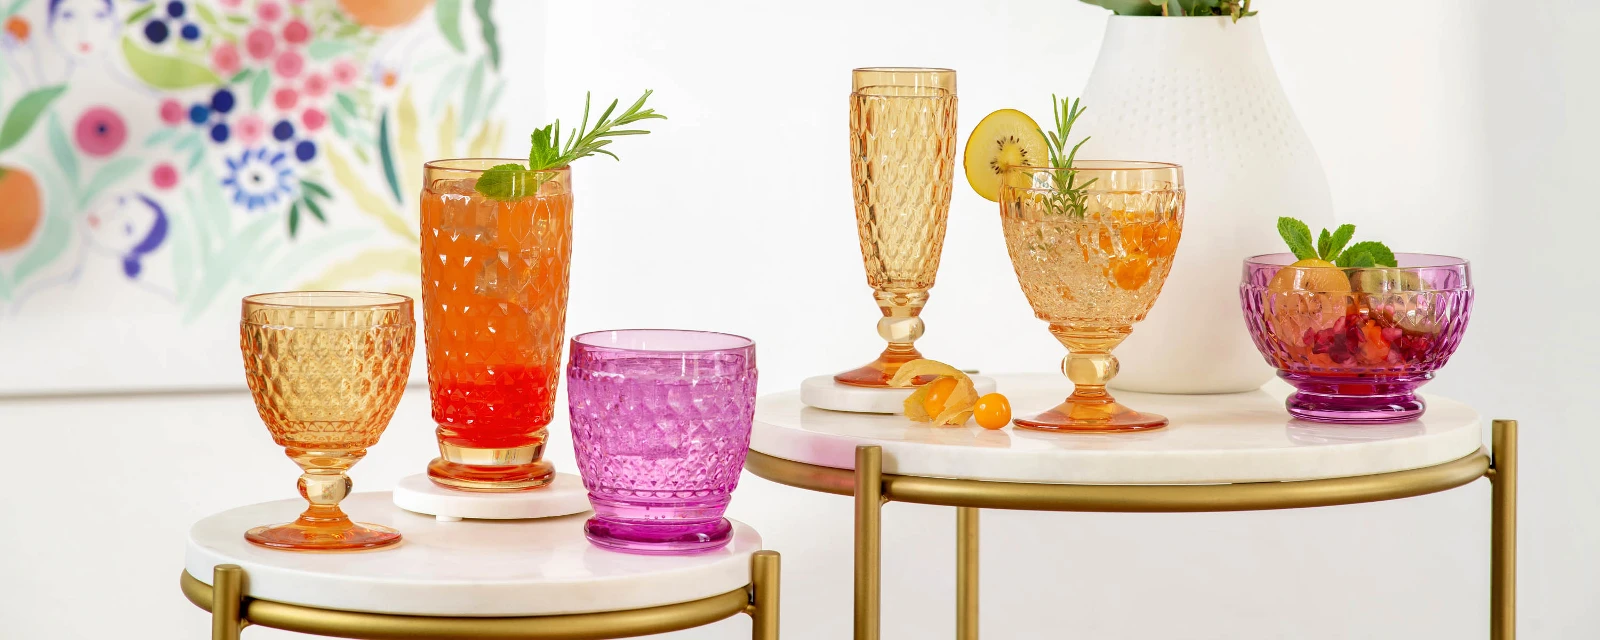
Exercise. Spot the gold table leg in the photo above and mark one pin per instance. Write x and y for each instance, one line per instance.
(1503, 534)
(869, 511)
(763, 609)
(227, 596)
(966, 573)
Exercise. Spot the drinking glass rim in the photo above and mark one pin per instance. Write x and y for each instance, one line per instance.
(380, 300)
(1112, 165)
(743, 343)
(903, 70)
(441, 164)
(1431, 260)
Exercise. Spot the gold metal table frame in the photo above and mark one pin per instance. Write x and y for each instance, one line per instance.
(872, 489)
(231, 611)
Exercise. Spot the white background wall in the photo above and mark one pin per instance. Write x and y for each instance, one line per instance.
(1453, 127)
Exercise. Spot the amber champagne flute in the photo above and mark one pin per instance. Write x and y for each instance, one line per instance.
(902, 157)
(1091, 261)
(326, 369)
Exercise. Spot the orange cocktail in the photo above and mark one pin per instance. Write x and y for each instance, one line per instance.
(494, 300)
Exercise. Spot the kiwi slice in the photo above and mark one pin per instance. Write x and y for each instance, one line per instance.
(1003, 139)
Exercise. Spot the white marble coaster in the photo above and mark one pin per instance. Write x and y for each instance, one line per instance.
(823, 393)
(1239, 437)
(473, 568)
(564, 495)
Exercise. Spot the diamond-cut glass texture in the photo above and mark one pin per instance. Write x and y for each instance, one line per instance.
(902, 155)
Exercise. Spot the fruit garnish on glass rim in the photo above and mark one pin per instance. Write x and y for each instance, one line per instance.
(1319, 265)
(946, 401)
(1009, 138)
(514, 181)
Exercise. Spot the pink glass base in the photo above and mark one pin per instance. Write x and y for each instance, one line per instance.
(659, 538)
(1355, 399)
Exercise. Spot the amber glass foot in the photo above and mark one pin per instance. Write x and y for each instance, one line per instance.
(491, 478)
(878, 373)
(331, 532)
(1100, 416)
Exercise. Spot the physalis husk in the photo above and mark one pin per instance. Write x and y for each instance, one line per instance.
(957, 409)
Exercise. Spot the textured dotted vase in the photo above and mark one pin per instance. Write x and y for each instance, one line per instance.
(1202, 93)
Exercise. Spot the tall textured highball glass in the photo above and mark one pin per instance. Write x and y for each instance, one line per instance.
(326, 369)
(1091, 261)
(494, 308)
(661, 424)
(902, 157)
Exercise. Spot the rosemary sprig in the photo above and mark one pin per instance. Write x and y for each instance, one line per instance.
(513, 181)
(1068, 197)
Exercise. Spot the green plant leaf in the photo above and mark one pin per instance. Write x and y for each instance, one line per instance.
(142, 13)
(505, 181)
(448, 14)
(1367, 254)
(258, 89)
(25, 113)
(62, 150)
(1128, 7)
(491, 38)
(1341, 237)
(386, 156)
(1298, 236)
(1323, 242)
(166, 72)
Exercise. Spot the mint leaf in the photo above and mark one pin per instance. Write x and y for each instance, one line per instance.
(1323, 241)
(506, 182)
(1298, 236)
(546, 147)
(1341, 237)
(1355, 258)
(1374, 253)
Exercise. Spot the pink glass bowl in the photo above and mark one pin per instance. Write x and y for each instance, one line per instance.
(661, 425)
(1357, 352)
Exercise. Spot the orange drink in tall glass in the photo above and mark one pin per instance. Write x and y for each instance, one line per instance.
(494, 300)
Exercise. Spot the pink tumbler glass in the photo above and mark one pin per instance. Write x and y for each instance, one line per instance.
(661, 424)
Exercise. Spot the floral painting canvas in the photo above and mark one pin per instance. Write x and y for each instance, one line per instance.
(161, 158)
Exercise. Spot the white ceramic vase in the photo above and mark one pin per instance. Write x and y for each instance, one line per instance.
(1201, 92)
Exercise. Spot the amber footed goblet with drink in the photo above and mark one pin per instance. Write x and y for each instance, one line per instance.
(494, 307)
(326, 369)
(902, 157)
(1092, 244)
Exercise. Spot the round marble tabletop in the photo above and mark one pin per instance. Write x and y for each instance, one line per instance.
(471, 568)
(1211, 439)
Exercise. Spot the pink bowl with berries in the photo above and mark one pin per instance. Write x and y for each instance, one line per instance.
(1356, 343)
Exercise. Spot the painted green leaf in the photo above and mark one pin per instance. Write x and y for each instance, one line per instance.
(239, 20)
(316, 188)
(347, 103)
(491, 38)
(16, 5)
(206, 15)
(62, 150)
(166, 72)
(258, 89)
(471, 99)
(446, 89)
(26, 112)
(387, 157)
(294, 219)
(113, 172)
(52, 240)
(316, 211)
(240, 77)
(136, 16)
(336, 119)
(448, 14)
(321, 50)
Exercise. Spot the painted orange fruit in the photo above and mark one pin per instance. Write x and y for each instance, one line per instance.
(19, 207)
(382, 14)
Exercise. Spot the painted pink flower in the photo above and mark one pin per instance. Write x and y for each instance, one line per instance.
(249, 129)
(313, 119)
(296, 32)
(289, 64)
(269, 11)
(100, 132)
(316, 85)
(344, 72)
(164, 176)
(231, 4)
(285, 98)
(225, 58)
(172, 112)
(260, 43)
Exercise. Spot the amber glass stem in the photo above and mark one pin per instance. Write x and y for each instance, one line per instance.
(1089, 363)
(900, 325)
(324, 484)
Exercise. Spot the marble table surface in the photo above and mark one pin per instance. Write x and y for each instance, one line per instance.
(1211, 439)
(467, 568)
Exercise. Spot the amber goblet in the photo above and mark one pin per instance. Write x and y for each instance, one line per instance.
(902, 157)
(1092, 245)
(326, 369)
